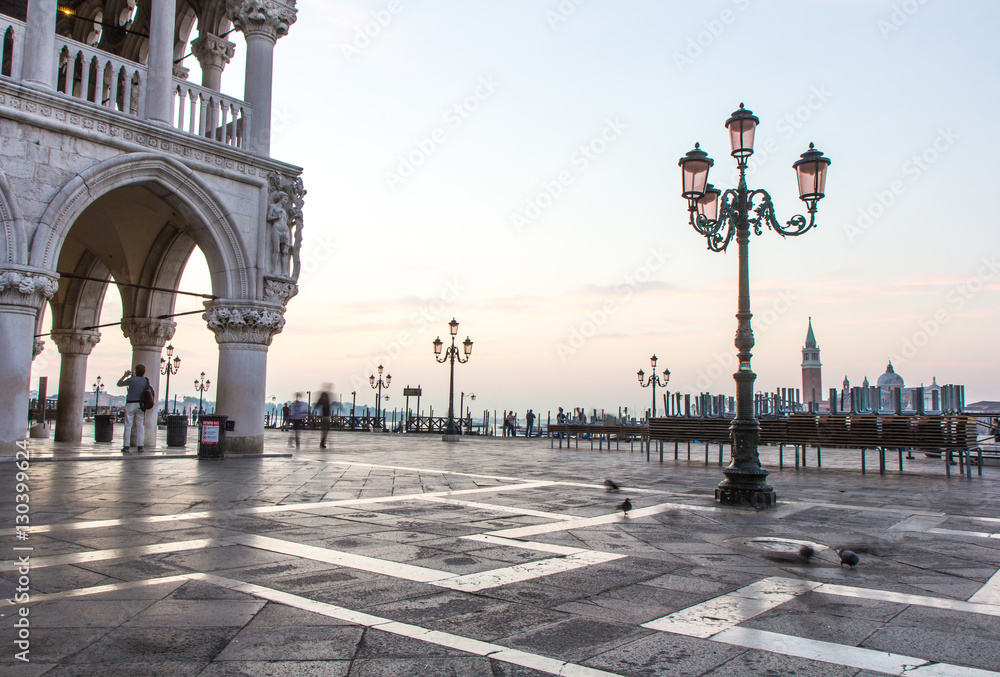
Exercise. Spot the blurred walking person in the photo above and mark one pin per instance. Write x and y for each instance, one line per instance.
(323, 405)
(298, 412)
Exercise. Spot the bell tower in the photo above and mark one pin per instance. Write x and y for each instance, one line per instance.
(812, 369)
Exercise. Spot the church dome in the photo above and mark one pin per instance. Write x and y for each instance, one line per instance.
(890, 379)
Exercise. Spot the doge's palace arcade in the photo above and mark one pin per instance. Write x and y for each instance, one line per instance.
(114, 167)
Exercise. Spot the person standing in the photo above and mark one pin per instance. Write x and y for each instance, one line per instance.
(133, 396)
(323, 405)
(529, 420)
(298, 412)
(512, 423)
(286, 416)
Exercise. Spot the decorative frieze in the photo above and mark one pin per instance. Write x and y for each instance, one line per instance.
(268, 18)
(244, 322)
(75, 342)
(146, 332)
(26, 287)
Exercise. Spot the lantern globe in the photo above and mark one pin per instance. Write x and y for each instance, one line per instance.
(810, 172)
(741, 126)
(694, 172)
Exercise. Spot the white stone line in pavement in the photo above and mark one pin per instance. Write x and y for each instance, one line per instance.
(868, 508)
(711, 617)
(111, 587)
(466, 644)
(583, 522)
(465, 582)
(524, 572)
(975, 606)
(918, 523)
(989, 593)
(959, 532)
(513, 510)
(268, 509)
(842, 654)
(527, 545)
(116, 553)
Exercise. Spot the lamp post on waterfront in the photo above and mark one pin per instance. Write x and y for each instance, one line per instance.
(378, 397)
(654, 380)
(745, 479)
(461, 405)
(98, 389)
(167, 369)
(451, 354)
(201, 386)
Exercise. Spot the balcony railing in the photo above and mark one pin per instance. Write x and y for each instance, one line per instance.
(102, 79)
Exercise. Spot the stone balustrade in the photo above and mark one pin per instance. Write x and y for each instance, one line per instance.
(211, 115)
(96, 76)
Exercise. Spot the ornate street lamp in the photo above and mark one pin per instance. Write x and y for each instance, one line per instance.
(745, 479)
(654, 380)
(378, 397)
(451, 354)
(98, 389)
(201, 386)
(461, 406)
(167, 369)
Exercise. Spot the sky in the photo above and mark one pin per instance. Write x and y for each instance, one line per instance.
(514, 165)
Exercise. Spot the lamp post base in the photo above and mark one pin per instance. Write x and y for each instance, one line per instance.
(753, 495)
(450, 437)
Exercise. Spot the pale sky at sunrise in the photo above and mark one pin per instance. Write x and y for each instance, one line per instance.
(514, 165)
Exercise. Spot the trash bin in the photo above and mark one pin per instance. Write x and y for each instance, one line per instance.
(177, 430)
(104, 428)
(212, 436)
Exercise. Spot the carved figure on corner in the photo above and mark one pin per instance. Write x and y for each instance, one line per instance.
(280, 235)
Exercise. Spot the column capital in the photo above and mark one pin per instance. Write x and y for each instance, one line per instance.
(75, 341)
(244, 322)
(145, 332)
(263, 18)
(27, 288)
(36, 348)
(212, 51)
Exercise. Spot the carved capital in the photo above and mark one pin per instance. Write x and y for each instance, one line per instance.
(268, 18)
(181, 71)
(212, 51)
(75, 342)
(26, 287)
(244, 322)
(279, 290)
(146, 332)
(37, 348)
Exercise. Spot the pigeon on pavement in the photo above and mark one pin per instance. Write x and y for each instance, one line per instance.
(806, 552)
(847, 557)
(624, 506)
(609, 485)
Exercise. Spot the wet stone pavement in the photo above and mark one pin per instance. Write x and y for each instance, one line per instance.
(402, 555)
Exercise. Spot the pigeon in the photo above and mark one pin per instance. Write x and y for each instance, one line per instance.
(609, 485)
(847, 557)
(624, 506)
(806, 552)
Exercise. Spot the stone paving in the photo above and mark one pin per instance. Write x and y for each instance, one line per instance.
(402, 555)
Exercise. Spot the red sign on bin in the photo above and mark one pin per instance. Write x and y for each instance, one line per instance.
(210, 432)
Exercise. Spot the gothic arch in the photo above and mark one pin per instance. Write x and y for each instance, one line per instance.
(13, 239)
(176, 184)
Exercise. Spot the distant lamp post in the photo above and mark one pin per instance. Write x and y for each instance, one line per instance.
(461, 404)
(654, 380)
(167, 369)
(745, 479)
(201, 386)
(378, 385)
(451, 354)
(98, 389)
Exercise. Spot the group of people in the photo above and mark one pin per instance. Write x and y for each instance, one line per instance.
(295, 413)
(510, 424)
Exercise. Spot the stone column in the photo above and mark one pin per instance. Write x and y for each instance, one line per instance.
(262, 22)
(23, 290)
(213, 54)
(243, 330)
(160, 63)
(148, 337)
(40, 44)
(75, 347)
